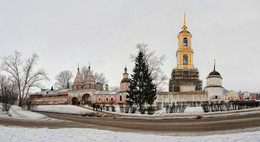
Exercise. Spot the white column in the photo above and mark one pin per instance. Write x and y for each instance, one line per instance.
(188, 61)
(190, 42)
(178, 59)
(191, 59)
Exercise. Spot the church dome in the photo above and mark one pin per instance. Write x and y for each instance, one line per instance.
(125, 80)
(214, 73)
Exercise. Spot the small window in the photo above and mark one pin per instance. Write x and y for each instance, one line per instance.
(112, 99)
(185, 59)
(120, 98)
(99, 99)
(106, 99)
(216, 97)
(185, 42)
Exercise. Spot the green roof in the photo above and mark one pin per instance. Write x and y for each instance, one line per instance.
(125, 80)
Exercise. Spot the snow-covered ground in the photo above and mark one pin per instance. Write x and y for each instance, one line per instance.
(18, 113)
(62, 109)
(15, 134)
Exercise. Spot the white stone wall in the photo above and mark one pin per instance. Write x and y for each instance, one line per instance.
(214, 81)
(51, 100)
(187, 88)
(174, 97)
(214, 91)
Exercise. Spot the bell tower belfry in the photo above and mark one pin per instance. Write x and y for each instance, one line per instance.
(185, 77)
(184, 53)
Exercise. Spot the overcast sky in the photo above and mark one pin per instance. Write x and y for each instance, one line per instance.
(105, 33)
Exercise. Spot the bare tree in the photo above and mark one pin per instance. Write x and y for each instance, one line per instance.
(98, 77)
(22, 73)
(8, 93)
(154, 63)
(63, 80)
(115, 88)
(84, 72)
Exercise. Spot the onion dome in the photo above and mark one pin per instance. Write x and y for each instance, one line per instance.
(125, 80)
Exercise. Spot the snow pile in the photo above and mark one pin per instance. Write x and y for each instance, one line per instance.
(194, 110)
(18, 113)
(62, 109)
(81, 135)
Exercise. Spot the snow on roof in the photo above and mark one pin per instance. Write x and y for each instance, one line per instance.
(65, 90)
(47, 92)
(106, 93)
(52, 92)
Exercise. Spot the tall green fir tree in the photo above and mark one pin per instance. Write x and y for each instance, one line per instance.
(142, 90)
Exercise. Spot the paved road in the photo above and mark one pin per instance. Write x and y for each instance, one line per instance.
(120, 124)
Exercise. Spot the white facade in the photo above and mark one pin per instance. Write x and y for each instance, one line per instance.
(187, 88)
(214, 81)
(214, 93)
(178, 97)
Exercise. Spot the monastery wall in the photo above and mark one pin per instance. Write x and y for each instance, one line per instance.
(50, 100)
(178, 97)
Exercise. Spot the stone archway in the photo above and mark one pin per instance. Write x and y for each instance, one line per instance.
(74, 101)
(86, 98)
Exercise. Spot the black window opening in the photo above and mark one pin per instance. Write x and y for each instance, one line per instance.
(120, 98)
(185, 59)
(111, 99)
(185, 42)
(186, 73)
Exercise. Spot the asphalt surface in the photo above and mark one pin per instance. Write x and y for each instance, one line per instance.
(134, 125)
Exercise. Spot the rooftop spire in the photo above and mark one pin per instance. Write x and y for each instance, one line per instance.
(88, 65)
(184, 20)
(214, 64)
(184, 27)
(125, 69)
(78, 66)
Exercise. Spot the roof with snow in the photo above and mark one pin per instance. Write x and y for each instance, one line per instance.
(106, 93)
(65, 90)
(49, 91)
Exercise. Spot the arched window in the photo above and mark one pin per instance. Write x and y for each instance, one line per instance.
(185, 59)
(185, 42)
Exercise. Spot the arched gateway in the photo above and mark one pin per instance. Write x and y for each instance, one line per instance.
(86, 98)
(74, 101)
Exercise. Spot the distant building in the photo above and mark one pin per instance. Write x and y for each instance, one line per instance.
(230, 95)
